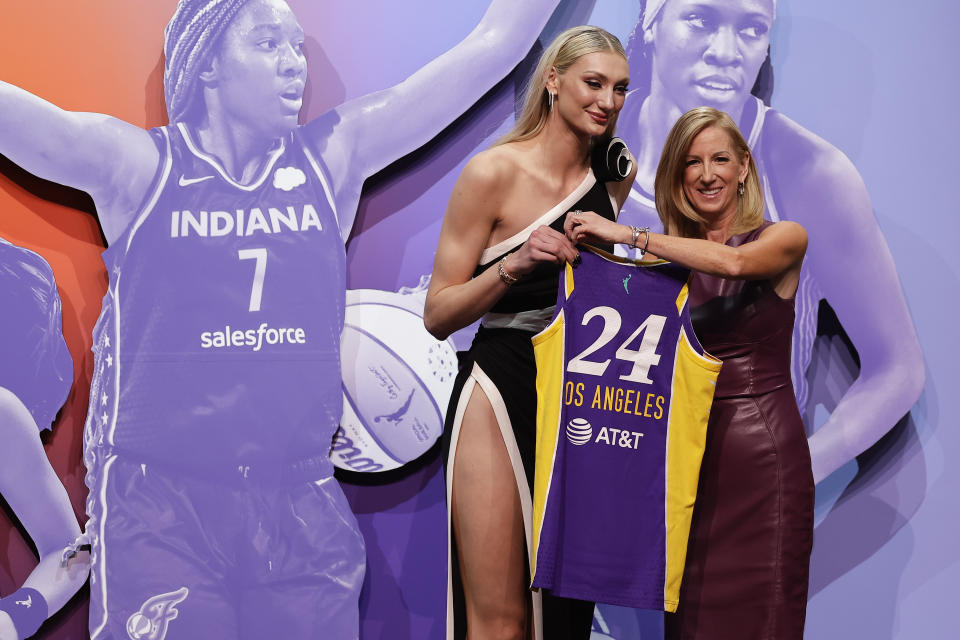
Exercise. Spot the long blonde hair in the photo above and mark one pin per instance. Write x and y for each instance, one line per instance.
(565, 49)
(678, 216)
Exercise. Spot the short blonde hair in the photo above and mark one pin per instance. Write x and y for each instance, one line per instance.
(677, 214)
(565, 49)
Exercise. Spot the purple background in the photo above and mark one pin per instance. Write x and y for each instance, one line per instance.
(878, 81)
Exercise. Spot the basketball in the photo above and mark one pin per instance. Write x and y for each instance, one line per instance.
(397, 380)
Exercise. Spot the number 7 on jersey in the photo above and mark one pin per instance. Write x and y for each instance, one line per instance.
(259, 271)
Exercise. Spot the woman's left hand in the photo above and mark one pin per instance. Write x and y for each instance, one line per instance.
(587, 225)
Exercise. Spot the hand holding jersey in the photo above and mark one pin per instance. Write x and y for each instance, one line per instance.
(587, 226)
(543, 245)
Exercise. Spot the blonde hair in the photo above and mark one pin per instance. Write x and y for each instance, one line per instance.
(678, 216)
(565, 49)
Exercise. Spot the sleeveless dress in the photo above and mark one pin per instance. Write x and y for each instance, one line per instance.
(501, 362)
(748, 557)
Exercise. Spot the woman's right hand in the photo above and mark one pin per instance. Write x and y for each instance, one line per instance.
(588, 226)
(543, 245)
(582, 226)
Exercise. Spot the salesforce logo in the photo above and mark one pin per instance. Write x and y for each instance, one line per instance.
(579, 431)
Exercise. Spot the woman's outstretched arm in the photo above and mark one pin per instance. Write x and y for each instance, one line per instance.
(36, 496)
(776, 255)
(112, 160)
(374, 130)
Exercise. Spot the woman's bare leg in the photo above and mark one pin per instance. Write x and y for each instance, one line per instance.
(488, 525)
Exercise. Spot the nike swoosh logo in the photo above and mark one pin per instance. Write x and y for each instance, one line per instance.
(183, 182)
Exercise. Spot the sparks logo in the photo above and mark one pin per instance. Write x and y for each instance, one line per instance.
(579, 431)
(150, 623)
(288, 178)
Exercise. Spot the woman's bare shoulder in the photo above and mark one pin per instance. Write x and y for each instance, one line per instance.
(493, 168)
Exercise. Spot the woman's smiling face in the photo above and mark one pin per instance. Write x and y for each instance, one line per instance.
(712, 172)
(708, 52)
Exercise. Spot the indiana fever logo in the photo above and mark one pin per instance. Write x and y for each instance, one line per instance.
(150, 623)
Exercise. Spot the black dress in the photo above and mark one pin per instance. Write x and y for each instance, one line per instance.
(501, 363)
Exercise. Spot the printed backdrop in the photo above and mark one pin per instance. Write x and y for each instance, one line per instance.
(874, 80)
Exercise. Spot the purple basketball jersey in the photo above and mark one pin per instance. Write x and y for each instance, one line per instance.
(624, 392)
(218, 343)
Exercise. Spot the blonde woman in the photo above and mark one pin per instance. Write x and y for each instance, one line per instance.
(498, 259)
(748, 557)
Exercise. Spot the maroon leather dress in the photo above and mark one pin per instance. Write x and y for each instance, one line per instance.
(749, 551)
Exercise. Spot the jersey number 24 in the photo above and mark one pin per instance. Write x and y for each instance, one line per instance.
(643, 357)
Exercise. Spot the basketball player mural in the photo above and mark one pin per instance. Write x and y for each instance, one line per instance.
(216, 388)
(685, 54)
(35, 376)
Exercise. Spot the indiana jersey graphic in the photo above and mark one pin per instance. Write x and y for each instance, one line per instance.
(151, 622)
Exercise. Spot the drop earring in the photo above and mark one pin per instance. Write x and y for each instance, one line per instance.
(549, 101)
(740, 189)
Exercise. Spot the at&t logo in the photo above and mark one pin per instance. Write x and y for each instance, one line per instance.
(579, 431)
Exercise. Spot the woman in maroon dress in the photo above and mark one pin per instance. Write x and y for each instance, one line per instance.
(748, 556)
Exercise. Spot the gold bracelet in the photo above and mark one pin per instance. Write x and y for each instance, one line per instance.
(507, 278)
